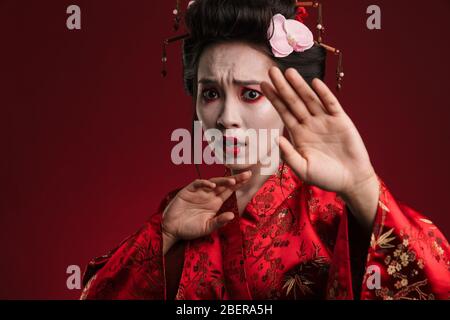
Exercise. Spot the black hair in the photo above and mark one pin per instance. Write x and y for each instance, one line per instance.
(216, 21)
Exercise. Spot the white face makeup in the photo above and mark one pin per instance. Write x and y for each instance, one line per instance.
(229, 98)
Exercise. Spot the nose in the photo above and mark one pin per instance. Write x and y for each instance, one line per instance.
(229, 117)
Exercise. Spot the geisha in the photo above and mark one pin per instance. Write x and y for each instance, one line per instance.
(323, 225)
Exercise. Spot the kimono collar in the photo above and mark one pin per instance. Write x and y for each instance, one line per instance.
(275, 190)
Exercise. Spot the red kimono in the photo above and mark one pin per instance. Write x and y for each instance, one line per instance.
(293, 241)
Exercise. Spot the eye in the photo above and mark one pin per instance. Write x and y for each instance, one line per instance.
(251, 95)
(210, 95)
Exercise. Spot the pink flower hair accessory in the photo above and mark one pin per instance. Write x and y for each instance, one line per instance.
(288, 35)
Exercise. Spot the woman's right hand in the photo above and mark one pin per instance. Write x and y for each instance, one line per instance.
(192, 213)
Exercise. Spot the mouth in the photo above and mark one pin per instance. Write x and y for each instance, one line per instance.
(232, 145)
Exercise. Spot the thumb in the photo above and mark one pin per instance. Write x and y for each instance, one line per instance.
(219, 221)
(293, 157)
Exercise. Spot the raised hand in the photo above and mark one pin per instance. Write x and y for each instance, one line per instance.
(193, 211)
(326, 149)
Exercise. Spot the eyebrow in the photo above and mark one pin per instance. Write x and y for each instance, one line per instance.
(235, 81)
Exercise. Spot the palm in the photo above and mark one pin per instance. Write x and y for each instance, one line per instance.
(193, 211)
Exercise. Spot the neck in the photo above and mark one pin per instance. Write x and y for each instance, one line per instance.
(247, 191)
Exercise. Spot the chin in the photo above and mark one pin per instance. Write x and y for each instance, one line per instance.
(239, 167)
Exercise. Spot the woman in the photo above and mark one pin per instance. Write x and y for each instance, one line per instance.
(322, 226)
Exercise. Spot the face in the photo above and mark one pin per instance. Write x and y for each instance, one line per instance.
(229, 98)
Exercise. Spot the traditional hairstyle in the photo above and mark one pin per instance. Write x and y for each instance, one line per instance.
(209, 22)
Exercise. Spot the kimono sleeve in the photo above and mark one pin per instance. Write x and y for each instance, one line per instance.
(408, 258)
(135, 269)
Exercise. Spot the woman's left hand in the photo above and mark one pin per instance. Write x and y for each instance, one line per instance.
(327, 149)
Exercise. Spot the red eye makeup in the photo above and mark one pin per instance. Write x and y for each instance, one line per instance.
(251, 95)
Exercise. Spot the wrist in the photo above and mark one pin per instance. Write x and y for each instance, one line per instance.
(361, 187)
(362, 200)
(168, 240)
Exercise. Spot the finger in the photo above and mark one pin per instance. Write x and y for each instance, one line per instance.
(288, 95)
(219, 221)
(223, 184)
(221, 181)
(301, 87)
(225, 192)
(329, 100)
(201, 183)
(231, 180)
(286, 115)
(293, 158)
(243, 176)
(238, 179)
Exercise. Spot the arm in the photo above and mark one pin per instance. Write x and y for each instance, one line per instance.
(147, 264)
(362, 201)
(326, 149)
(407, 252)
(134, 270)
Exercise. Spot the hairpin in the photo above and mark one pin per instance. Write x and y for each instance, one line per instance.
(321, 30)
(177, 14)
(164, 50)
(340, 70)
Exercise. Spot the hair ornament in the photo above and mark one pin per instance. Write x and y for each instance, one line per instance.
(287, 36)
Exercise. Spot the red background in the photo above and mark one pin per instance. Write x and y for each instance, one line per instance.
(86, 121)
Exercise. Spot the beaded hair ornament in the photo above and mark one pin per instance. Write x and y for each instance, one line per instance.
(284, 35)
